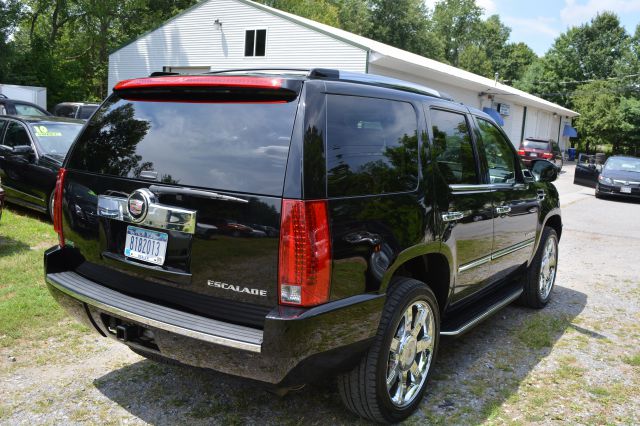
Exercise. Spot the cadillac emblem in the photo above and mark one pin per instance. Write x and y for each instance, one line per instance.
(138, 204)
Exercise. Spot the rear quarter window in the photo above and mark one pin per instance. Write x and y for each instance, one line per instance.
(372, 146)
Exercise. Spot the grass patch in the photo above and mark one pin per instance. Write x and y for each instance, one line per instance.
(633, 360)
(540, 331)
(27, 306)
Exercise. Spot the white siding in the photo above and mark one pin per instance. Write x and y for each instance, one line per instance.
(468, 97)
(515, 124)
(191, 40)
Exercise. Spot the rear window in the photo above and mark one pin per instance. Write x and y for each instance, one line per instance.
(372, 146)
(535, 144)
(55, 138)
(86, 111)
(23, 109)
(226, 146)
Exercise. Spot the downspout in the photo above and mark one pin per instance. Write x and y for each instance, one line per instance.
(559, 128)
(366, 66)
(524, 123)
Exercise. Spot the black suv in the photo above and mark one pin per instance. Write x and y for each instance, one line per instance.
(399, 216)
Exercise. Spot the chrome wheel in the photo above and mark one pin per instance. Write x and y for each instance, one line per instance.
(548, 267)
(410, 354)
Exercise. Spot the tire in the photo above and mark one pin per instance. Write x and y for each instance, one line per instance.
(600, 195)
(50, 204)
(537, 288)
(364, 389)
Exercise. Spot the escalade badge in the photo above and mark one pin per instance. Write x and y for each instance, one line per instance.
(138, 204)
(237, 288)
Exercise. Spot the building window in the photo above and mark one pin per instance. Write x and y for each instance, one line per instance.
(255, 42)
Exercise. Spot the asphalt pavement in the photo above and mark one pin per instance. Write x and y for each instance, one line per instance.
(582, 211)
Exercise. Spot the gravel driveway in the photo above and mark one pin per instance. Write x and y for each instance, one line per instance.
(576, 362)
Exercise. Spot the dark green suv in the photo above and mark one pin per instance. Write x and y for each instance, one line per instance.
(395, 214)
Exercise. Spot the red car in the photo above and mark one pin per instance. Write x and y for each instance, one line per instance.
(534, 149)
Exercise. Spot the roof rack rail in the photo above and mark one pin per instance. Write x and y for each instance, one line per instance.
(300, 71)
(377, 80)
(162, 73)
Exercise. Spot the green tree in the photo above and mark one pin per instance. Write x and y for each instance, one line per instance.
(630, 114)
(11, 12)
(592, 51)
(601, 119)
(354, 15)
(318, 10)
(474, 59)
(514, 61)
(457, 23)
(404, 24)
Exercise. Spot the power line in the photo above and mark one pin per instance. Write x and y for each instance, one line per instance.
(578, 81)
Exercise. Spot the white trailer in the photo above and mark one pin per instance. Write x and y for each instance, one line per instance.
(35, 95)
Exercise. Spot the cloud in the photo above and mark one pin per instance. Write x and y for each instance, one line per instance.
(489, 6)
(539, 25)
(576, 13)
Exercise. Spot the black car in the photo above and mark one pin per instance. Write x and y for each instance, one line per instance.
(81, 110)
(32, 149)
(17, 107)
(1, 199)
(620, 176)
(401, 216)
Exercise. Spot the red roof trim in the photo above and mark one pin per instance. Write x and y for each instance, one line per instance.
(201, 81)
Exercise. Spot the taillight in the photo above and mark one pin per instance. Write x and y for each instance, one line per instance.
(521, 152)
(547, 155)
(57, 206)
(304, 267)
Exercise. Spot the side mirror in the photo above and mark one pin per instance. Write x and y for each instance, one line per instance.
(23, 150)
(544, 171)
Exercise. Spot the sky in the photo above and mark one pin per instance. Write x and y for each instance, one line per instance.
(539, 22)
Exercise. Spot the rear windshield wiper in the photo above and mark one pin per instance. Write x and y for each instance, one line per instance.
(166, 190)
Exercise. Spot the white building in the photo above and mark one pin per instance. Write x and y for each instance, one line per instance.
(232, 34)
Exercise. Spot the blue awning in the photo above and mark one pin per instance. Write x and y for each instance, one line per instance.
(569, 131)
(494, 114)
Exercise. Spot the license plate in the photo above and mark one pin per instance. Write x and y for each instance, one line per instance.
(625, 190)
(145, 245)
(533, 154)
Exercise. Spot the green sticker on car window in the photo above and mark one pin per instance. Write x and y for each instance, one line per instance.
(43, 131)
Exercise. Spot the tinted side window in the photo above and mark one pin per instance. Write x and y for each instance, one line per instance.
(16, 135)
(65, 111)
(372, 146)
(453, 150)
(500, 157)
(86, 111)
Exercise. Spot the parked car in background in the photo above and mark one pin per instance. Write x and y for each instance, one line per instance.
(620, 176)
(1, 199)
(535, 149)
(587, 170)
(16, 107)
(32, 149)
(402, 216)
(81, 110)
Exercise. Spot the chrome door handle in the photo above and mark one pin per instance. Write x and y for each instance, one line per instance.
(451, 216)
(503, 209)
